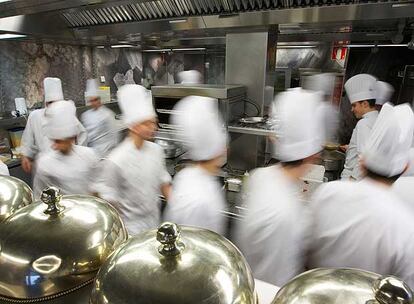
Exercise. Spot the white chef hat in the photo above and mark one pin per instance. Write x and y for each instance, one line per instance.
(202, 128)
(360, 87)
(61, 120)
(92, 88)
(190, 77)
(53, 89)
(135, 102)
(323, 83)
(298, 124)
(388, 148)
(383, 92)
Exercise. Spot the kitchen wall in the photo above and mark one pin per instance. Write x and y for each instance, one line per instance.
(24, 65)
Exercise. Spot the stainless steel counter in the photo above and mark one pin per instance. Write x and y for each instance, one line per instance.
(214, 91)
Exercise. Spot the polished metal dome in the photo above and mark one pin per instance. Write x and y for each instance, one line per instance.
(14, 194)
(173, 264)
(55, 246)
(345, 286)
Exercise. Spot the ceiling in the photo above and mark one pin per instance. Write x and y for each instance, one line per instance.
(175, 23)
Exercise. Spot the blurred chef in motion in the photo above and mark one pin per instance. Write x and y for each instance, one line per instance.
(273, 236)
(364, 224)
(190, 77)
(361, 93)
(383, 94)
(324, 84)
(35, 139)
(67, 166)
(134, 173)
(4, 170)
(99, 122)
(197, 198)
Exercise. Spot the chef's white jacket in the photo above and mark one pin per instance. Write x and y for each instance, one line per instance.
(404, 188)
(4, 170)
(72, 173)
(131, 180)
(410, 169)
(362, 225)
(273, 236)
(100, 124)
(359, 138)
(197, 200)
(35, 140)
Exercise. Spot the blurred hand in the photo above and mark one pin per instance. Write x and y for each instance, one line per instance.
(343, 148)
(27, 164)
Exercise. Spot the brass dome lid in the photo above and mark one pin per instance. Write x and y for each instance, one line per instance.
(14, 194)
(332, 286)
(47, 251)
(173, 264)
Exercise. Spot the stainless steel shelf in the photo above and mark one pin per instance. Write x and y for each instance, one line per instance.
(250, 130)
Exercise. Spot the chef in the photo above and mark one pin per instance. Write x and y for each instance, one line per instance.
(197, 198)
(34, 139)
(190, 77)
(383, 93)
(273, 236)
(364, 224)
(324, 84)
(67, 166)
(99, 122)
(361, 93)
(4, 170)
(135, 174)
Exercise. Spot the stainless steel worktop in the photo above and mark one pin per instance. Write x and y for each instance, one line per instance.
(214, 91)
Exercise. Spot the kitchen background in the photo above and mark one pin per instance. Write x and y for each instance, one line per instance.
(25, 64)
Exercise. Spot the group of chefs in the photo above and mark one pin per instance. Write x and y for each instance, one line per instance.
(363, 221)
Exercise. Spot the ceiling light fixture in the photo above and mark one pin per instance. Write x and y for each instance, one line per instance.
(188, 49)
(117, 46)
(177, 21)
(156, 50)
(374, 45)
(11, 36)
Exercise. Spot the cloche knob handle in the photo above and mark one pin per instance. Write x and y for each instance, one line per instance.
(168, 235)
(392, 290)
(51, 197)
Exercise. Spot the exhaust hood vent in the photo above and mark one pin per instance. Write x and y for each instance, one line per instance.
(168, 9)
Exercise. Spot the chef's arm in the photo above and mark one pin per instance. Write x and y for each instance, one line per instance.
(166, 191)
(29, 149)
(82, 138)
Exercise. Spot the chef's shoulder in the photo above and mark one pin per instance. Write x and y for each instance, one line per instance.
(155, 149)
(331, 191)
(87, 153)
(36, 114)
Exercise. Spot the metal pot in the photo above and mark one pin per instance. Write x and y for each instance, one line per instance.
(55, 247)
(171, 149)
(172, 264)
(332, 286)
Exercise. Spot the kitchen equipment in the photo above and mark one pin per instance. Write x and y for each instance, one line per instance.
(331, 286)
(55, 246)
(16, 136)
(233, 184)
(252, 120)
(174, 264)
(171, 149)
(230, 100)
(21, 106)
(14, 194)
